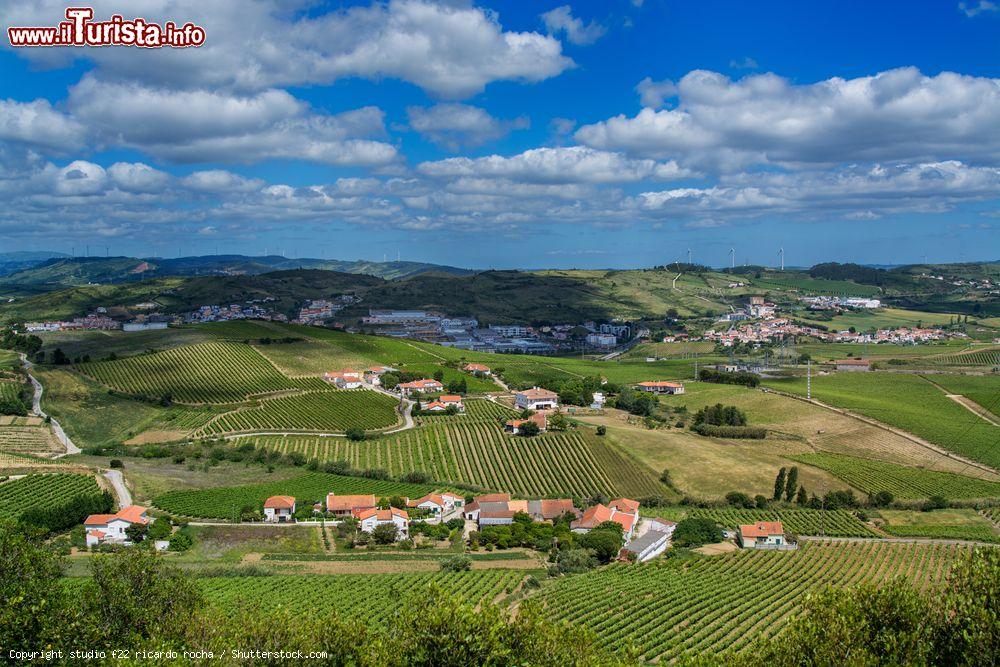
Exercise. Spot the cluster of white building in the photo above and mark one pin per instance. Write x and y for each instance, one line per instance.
(234, 311)
(97, 321)
(841, 302)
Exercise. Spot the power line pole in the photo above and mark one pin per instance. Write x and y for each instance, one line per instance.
(809, 390)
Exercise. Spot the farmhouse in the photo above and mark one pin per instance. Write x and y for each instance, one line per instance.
(853, 365)
(471, 511)
(373, 375)
(551, 509)
(346, 505)
(346, 379)
(110, 528)
(661, 387)
(649, 545)
(536, 398)
(420, 387)
(442, 403)
(763, 535)
(478, 369)
(438, 502)
(513, 426)
(370, 519)
(279, 509)
(621, 510)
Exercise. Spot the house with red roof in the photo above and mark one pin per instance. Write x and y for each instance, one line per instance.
(347, 505)
(513, 426)
(661, 387)
(110, 528)
(370, 519)
(420, 387)
(762, 535)
(279, 509)
(438, 503)
(373, 375)
(345, 379)
(442, 403)
(622, 511)
(478, 369)
(536, 398)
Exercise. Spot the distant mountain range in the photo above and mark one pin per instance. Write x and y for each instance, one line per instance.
(52, 269)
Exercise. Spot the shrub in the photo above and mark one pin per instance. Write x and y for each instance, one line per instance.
(456, 563)
(696, 531)
(601, 430)
(742, 432)
(117, 464)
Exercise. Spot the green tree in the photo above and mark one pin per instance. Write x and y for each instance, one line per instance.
(792, 483)
(605, 544)
(528, 429)
(696, 531)
(802, 497)
(385, 533)
(456, 563)
(779, 484)
(32, 594)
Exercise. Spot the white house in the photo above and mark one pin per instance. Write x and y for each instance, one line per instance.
(513, 426)
(442, 403)
(279, 509)
(661, 387)
(536, 398)
(432, 502)
(373, 375)
(420, 387)
(649, 545)
(853, 365)
(597, 403)
(763, 535)
(346, 379)
(370, 519)
(622, 511)
(102, 528)
(478, 369)
(348, 505)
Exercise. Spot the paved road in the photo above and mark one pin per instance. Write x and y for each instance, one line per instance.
(121, 491)
(36, 407)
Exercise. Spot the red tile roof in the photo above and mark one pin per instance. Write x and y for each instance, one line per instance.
(477, 367)
(280, 503)
(131, 514)
(450, 398)
(625, 505)
(335, 503)
(661, 383)
(380, 515)
(762, 529)
(420, 384)
(538, 393)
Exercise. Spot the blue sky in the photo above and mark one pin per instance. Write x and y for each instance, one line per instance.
(514, 134)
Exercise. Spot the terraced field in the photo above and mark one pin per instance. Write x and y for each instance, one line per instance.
(43, 490)
(227, 502)
(834, 523)
(368, 598)
(480, 454)
(213, 372)
(713, 604)
(323, 411)
(902, 482)
(907, 402)
(36, 439)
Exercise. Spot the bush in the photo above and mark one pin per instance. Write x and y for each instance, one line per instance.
(881, 499)
(601, 430)
(742, 432)
(117, 464)
(456, 563)
(356, 434)
(722, 377)
(385, 533)
(573, 561)
(603, 542)
(934, 503)
(696, 531)
(738, 499)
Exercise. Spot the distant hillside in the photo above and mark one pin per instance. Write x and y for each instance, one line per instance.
(68, 271)
(11, 262)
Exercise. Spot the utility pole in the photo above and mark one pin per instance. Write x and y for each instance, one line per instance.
(809, 390)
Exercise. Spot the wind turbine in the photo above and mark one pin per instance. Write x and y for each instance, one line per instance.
(732, 257)
(781, 254)
(689, 255)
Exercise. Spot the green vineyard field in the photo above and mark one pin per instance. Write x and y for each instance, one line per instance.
(480, 454)
(907, 402)
(714, 604)
(325, 411)
(983, 389)
(226, 502)
(213, 372)
(907, 483)
(42, 491)
(834, 523)
(368, 598)
(10, 390)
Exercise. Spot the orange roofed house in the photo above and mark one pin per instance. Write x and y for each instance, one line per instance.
(478, 369)
(622, 511)
(346, 505)
(513, 426)
(370, 519)
(420, 387)
(661, 387)
(536, 398)
(110, 528)
(438, 503)
(346, 379)
(763, 535)
(279, 509)
(442, 403)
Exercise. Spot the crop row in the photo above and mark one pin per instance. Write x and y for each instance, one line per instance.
(711, 605)
(314, 411)
(212, 372)
(977, 532)
(482, 455)
(476, 410)
(902, 482)
(227, 502)
(369, 598)
(28, 440)
(43, 490)
(829, 523)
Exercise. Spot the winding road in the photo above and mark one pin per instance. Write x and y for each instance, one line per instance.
(36, 407)
(121, 491)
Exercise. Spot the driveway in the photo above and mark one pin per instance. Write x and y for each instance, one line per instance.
(121, 491)
(36, 407)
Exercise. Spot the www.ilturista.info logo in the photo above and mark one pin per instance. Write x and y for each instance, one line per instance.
(80, 30)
